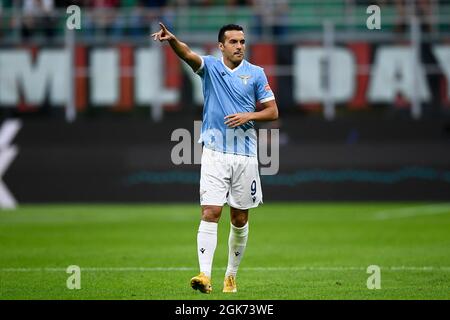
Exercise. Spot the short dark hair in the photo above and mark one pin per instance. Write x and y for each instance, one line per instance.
(225, 28)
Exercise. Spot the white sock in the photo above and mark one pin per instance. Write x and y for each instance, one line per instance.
(236, 248)
(206, 245)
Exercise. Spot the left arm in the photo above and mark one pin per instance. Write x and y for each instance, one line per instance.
(269, 113)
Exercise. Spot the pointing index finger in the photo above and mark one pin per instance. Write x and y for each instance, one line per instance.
(163, 26)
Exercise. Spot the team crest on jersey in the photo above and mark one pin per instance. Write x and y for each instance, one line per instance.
(245, 79)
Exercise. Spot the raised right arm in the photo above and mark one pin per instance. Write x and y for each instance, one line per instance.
(181, 49)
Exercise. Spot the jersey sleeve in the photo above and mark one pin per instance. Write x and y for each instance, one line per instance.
(206, 62)
(263, 91)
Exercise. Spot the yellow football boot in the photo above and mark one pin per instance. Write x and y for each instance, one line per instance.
(202, 283)
(229, 284)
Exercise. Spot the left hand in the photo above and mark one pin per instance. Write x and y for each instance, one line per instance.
(237, 119)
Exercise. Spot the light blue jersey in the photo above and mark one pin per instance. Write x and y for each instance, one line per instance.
(227, 92)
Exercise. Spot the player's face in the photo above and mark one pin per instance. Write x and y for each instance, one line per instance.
(233, 48)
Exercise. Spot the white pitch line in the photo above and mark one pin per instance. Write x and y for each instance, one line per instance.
(407, 212)
(156, 269)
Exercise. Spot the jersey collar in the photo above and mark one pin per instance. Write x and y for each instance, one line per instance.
(235, 69)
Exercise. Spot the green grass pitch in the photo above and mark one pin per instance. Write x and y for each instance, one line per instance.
(295, 251)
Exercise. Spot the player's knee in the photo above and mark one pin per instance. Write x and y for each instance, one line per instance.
(211, 213)
(239, 219)
(239, 222)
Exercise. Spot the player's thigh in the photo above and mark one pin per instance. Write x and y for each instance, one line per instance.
(245, 192)
(214, 179)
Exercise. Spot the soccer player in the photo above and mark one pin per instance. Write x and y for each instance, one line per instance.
(229, 164)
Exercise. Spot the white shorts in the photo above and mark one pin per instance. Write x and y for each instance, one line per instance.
(229, 178)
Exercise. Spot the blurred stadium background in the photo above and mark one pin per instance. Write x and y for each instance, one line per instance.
(361, 117)
(87, 117)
